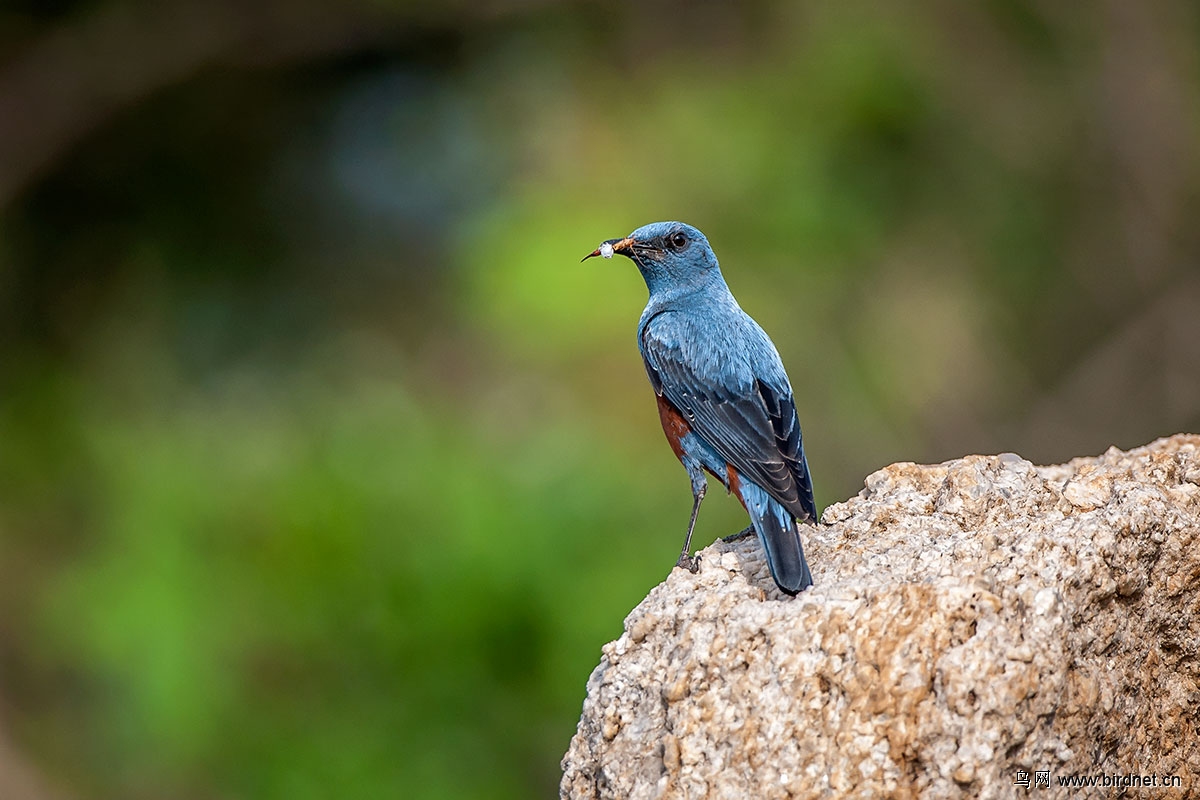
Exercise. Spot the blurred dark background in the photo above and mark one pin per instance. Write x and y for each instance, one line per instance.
(325, 467)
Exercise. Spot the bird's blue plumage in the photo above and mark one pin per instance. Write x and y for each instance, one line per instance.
(718, 369)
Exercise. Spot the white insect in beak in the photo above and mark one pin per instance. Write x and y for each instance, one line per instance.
(606, 250)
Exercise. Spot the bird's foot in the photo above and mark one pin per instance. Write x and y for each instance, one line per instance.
(690, 563)
(735, 537)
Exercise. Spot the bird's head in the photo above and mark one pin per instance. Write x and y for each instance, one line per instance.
(668, 254)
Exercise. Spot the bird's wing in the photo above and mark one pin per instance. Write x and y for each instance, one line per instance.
(742, 408)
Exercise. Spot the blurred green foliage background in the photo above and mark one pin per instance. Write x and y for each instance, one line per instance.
(325, 467)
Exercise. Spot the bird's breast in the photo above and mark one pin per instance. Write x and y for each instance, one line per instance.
(674, 425)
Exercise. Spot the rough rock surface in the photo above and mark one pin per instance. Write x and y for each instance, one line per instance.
(970, 621)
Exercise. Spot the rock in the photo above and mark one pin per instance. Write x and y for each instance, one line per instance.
(971, 621)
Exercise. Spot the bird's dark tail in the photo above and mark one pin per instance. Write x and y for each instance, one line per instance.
(780, 539)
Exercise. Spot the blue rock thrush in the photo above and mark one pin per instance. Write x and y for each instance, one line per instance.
(723, 396)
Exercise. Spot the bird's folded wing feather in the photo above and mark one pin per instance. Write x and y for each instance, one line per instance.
(749, 418)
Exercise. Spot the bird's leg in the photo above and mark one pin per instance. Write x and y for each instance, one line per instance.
(686, 560)
(699, 489)
(742, 534)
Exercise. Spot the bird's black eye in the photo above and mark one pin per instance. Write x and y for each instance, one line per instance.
(678, 240)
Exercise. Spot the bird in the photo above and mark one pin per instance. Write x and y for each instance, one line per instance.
(724, 398)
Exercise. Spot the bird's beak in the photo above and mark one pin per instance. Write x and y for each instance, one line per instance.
(622, 246)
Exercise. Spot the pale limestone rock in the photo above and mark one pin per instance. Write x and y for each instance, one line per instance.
(970, 620)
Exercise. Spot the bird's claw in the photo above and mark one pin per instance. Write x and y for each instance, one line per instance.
(690, 563)
(735, 537)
